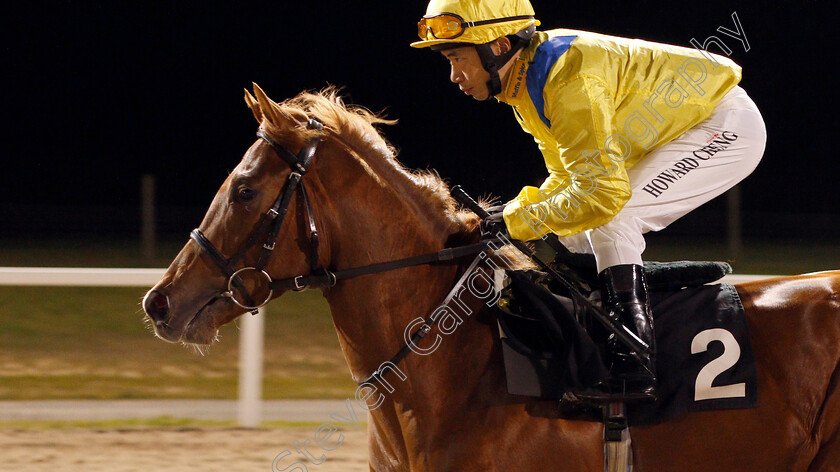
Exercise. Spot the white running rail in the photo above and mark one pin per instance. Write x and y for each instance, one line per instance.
(250, 340)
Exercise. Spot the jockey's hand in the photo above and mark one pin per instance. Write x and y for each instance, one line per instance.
(494, 223)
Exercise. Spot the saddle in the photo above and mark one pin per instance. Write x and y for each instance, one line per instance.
(661, 276)
(687, 313)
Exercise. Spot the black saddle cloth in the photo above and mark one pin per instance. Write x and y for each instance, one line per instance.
(704, 357)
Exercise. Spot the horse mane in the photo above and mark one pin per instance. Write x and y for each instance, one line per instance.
(355, 126)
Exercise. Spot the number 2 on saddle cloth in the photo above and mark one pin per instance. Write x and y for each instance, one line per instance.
(551, 346)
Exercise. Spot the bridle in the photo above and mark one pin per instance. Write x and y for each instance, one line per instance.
(270, 225)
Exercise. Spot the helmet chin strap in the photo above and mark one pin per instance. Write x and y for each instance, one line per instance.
(493, 63)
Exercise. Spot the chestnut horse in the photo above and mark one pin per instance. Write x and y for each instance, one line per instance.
(452, 411)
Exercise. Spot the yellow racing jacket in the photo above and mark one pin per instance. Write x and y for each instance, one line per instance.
(596, 105)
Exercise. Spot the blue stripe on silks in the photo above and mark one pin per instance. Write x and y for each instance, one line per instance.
(544, 59)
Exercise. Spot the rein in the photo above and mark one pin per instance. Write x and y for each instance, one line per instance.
(328, 279)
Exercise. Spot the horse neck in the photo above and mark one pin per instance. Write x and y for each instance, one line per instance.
(381, 213)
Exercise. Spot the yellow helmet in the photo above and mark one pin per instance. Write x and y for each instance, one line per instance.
(472, 21)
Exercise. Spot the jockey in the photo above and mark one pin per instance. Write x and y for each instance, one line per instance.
(634, 135)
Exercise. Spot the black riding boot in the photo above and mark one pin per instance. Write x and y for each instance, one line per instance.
(624, 296)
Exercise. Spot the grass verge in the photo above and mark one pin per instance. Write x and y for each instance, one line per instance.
(92, 343)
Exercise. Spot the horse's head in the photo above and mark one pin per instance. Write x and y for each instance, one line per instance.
(260, 222)
(318, 167)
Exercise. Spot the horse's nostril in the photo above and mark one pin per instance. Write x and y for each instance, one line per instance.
(156, 305)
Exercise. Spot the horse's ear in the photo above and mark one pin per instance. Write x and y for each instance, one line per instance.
(253, 105)
(270, 110)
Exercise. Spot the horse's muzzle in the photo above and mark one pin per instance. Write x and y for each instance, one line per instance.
(156, 305)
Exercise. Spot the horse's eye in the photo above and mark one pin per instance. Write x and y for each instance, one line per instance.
(245, 194)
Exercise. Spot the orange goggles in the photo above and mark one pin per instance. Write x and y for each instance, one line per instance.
(450, 25)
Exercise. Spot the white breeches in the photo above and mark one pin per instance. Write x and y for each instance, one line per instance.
(679, 176)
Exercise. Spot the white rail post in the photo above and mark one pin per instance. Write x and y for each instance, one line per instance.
(249, 410)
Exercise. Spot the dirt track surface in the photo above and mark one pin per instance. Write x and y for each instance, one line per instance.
(170, 450)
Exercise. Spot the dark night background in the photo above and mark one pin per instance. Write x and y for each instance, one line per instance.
(95, 94)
